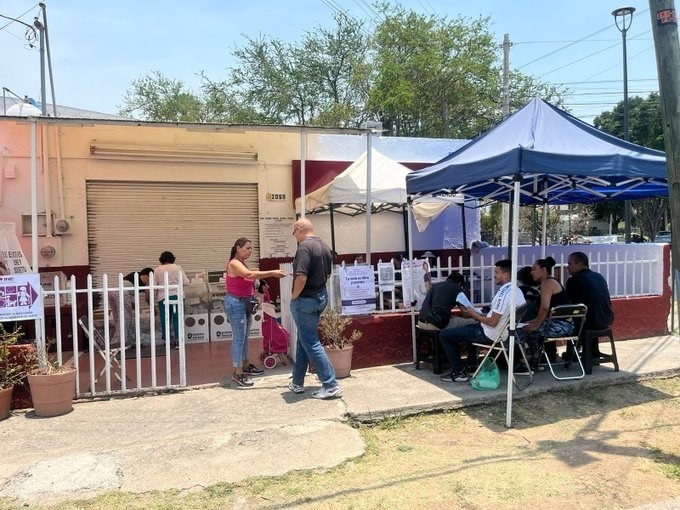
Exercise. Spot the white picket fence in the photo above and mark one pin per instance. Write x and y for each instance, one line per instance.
(631, 270)
(114, 357)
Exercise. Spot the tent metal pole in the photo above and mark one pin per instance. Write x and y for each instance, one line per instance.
(513, 306)
(404, 216)
(511, 224)
(409, 243)
(464, 226)
(544, 234)
(303, 183)
(330, 207)
(369, 199)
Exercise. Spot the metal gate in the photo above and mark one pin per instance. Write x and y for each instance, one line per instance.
(107, 361)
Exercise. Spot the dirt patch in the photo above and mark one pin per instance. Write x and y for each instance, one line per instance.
(609, 447)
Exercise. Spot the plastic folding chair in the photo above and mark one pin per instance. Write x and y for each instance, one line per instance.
(576, 314)
(501, 346)
(100, 346)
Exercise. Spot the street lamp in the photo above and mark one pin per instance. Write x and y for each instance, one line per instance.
(623, 17)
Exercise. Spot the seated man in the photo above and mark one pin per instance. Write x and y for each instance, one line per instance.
(485, 327)
(435, 313)
(590, 288)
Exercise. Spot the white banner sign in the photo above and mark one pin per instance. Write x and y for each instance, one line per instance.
(10, 250)
(20, 297)
(415, 277)
(357, 289)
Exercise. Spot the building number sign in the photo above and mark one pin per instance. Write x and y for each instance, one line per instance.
(276, 197)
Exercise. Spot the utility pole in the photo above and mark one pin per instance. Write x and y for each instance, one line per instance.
(506, 75)
(665, 29)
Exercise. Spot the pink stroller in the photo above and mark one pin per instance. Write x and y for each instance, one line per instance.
(275, 339)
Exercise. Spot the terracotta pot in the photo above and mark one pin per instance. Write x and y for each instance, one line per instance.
(5, 401)
(341, 359)
(52, 394)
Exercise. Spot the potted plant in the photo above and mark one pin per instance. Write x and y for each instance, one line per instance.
(337, 341)
(11, 372)
(52, 385)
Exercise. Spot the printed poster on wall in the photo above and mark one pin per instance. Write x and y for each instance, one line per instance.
(277, 241)
(20, 297)
(415, 277)
(357, 289)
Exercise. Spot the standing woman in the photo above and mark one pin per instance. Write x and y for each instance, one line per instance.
(128, 306)
(552, 294)
(175, 273)
(240, 289)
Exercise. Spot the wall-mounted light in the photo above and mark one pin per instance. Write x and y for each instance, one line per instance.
(165, 154)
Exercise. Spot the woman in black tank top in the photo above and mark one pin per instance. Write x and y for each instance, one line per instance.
(552, 294)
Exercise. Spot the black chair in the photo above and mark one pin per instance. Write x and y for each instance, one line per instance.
(591, 337)
(576, 314)
(429, 349)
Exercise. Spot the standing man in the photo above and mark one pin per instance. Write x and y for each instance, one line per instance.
(591, 289)
(311, 269)
(485, 328)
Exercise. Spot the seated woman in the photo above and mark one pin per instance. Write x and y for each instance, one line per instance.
(552, 294)
(529, 288)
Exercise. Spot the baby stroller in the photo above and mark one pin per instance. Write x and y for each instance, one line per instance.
(275, 339)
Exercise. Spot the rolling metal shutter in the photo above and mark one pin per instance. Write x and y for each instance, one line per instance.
(131, 223)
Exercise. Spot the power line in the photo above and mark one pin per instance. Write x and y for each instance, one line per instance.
(572, 43)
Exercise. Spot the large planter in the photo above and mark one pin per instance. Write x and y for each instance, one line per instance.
(341, 359)
(52, 394)
(5, 401)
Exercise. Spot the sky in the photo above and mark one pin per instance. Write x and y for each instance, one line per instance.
(98, 49)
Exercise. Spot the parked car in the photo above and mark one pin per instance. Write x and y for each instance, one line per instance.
(663, 236)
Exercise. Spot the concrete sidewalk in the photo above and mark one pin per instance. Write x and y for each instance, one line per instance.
(222, 434)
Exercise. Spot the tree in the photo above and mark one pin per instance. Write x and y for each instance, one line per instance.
(159, 98)
(322, 80)
(645, 128)
(421, 75)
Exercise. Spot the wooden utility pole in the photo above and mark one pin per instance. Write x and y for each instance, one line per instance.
(665, 29)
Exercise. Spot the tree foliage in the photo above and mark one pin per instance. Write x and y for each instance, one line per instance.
(645, 127)
(420, 75)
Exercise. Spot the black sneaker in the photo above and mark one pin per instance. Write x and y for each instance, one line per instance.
(457, 377)
(522, 369)
(242, 380)
(252, 370)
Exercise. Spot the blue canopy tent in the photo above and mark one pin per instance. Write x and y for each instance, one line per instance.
(542, 155)
(556, 158)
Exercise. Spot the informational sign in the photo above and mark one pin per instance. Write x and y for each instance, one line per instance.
(385, 276)
(357, 289)
(415, 277)
(10, 250)
(277, 239)
(20, 297)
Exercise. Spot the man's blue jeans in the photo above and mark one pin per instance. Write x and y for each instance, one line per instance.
(451, 339)
(306, 312)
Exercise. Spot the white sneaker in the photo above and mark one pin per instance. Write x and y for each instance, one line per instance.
(325, 393)
(296, 388)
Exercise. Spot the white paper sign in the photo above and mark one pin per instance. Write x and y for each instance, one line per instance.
(20, 297)
(385, 276)
(357, 289)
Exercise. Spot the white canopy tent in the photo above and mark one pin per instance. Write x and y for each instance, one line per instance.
(347, 192)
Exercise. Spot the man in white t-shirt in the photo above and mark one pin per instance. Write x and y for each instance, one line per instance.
(485, 329)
